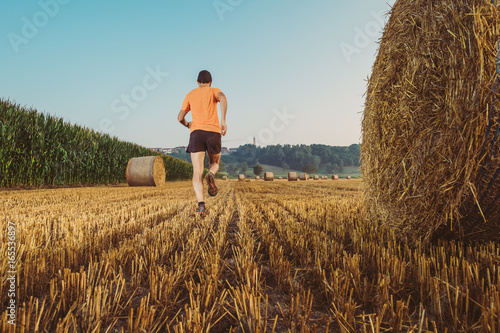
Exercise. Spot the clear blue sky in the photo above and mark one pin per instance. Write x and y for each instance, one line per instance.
(293, 71)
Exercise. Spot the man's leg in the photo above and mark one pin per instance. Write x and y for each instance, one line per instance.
(214, 162)
(214, 167)
(197, 161)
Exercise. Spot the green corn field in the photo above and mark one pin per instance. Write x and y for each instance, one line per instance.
(37, 149)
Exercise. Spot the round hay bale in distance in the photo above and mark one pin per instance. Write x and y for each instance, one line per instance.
(241, 177)
(268, 176)
(304, 176)
(335, 177)
(281, 178)
(145, 171)
(316, 177)
(292, 177)
(224, 177)
(348, 177)
(257, 177)
(429, 143)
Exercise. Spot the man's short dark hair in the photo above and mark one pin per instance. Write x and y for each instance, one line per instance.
(204, 77)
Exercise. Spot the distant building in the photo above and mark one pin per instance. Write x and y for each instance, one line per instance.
(182, 149)
(168, 150)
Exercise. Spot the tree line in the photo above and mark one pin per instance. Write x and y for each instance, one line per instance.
(307, 158)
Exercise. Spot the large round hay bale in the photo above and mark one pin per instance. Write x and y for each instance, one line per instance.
(304, 176)
(335, 177)
(430, 124)
(292, 177)
(268, 176)
(241, 177)
(145, 171)
(316, 177)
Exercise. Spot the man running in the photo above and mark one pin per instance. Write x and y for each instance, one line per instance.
(205, 132)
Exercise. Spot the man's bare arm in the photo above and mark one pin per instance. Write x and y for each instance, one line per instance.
(223, 108)
(181, 118)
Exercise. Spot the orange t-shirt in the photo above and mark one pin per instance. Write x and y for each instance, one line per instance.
(202, 102)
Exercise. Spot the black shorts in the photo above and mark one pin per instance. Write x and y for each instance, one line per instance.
(204, 140)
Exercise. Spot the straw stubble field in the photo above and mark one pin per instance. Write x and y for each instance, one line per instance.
(270, 256)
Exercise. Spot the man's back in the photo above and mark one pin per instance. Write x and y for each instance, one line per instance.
(202, 102)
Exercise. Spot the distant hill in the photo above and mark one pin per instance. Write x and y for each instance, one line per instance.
(320, 159)
(306, 158)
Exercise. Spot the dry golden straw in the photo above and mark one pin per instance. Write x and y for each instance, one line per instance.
(431, 122)
(274, 258)
(146, 171)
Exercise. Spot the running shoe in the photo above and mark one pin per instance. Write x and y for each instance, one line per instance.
(212, 188)
(201, 210)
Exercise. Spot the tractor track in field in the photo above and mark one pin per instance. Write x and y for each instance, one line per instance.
(278, 299)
